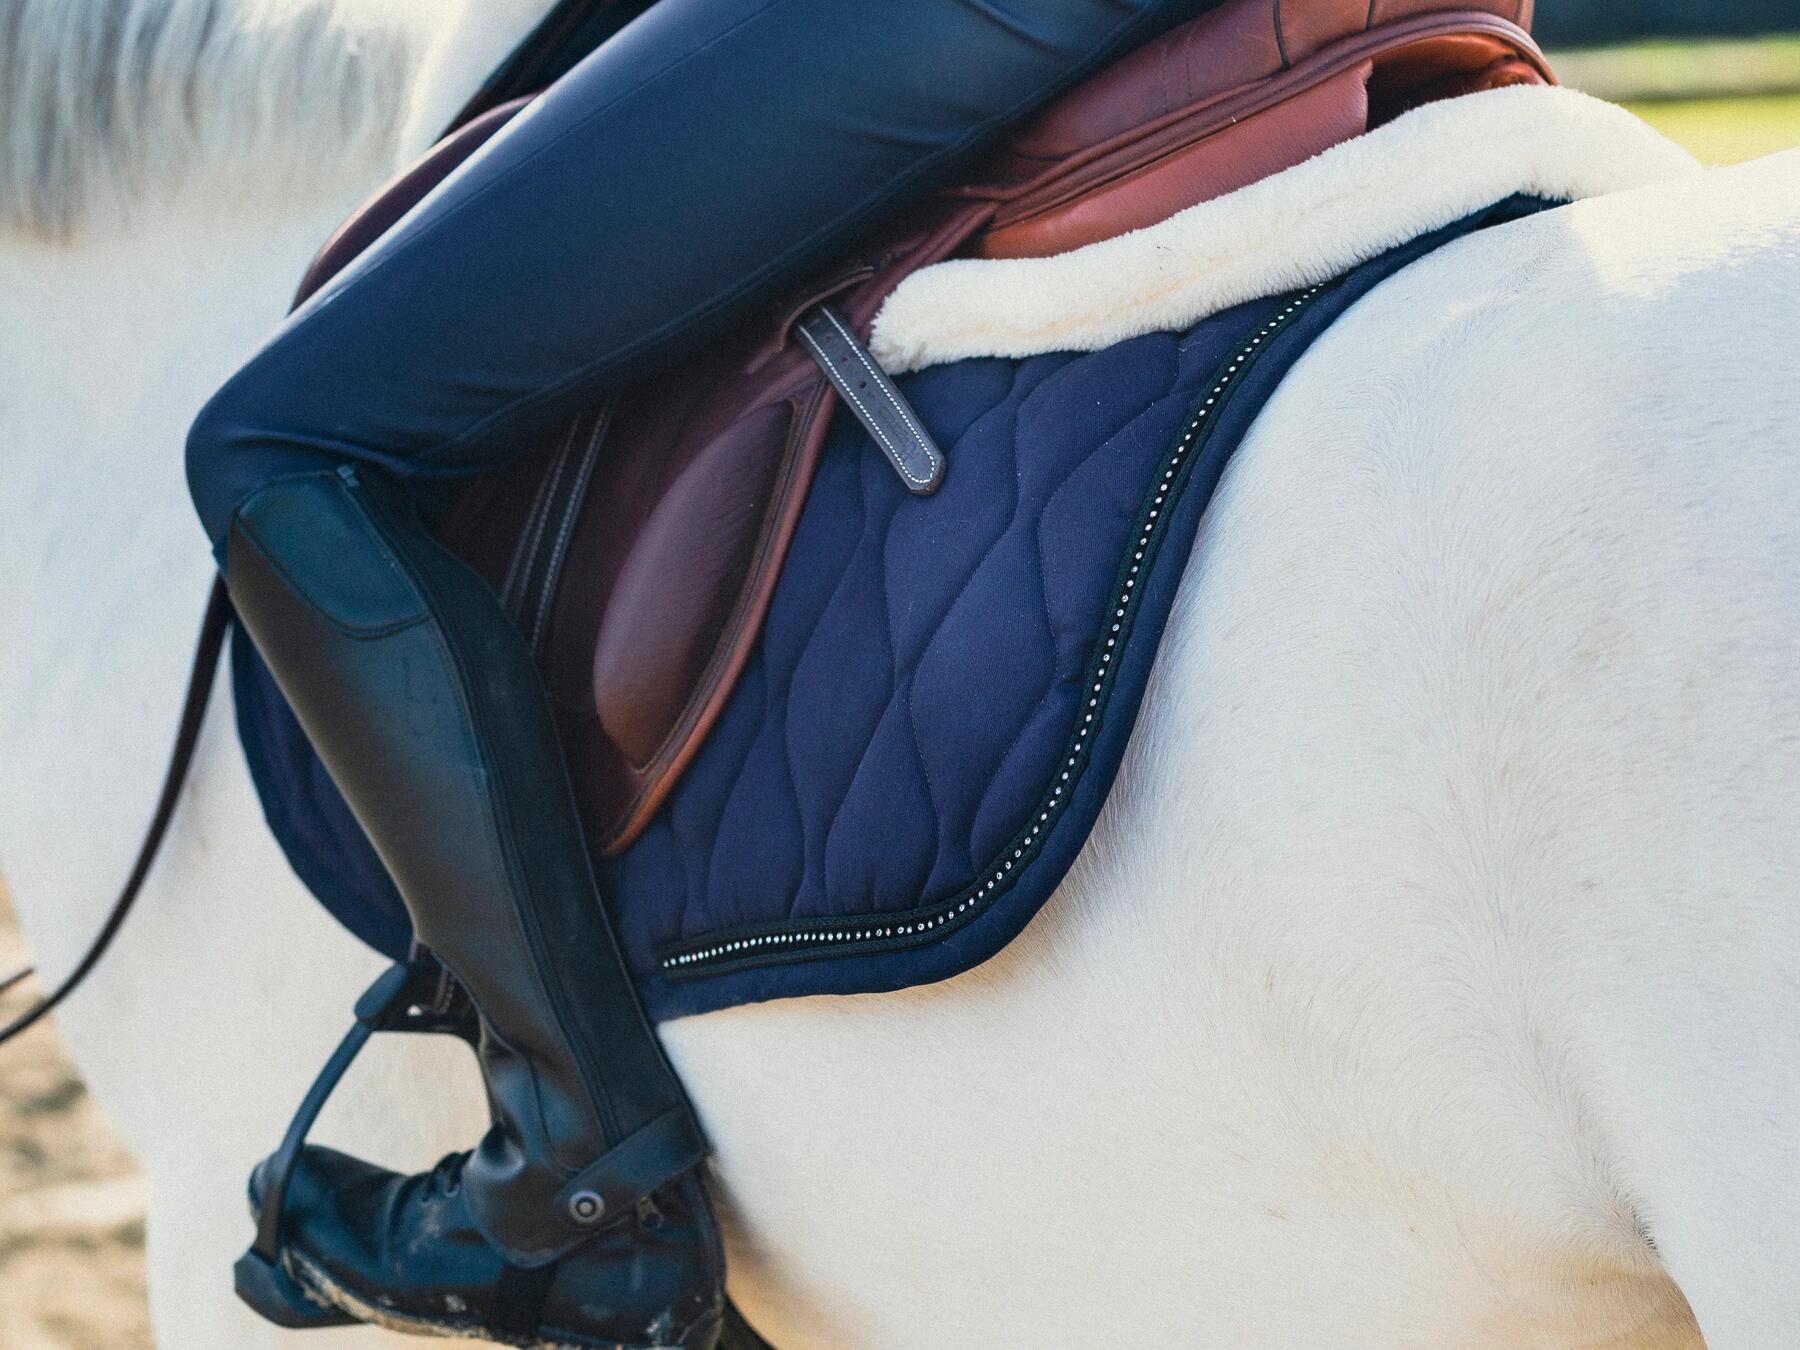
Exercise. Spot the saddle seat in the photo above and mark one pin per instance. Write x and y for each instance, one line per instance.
(639, 548)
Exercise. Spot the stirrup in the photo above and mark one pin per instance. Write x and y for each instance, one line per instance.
(417, 995)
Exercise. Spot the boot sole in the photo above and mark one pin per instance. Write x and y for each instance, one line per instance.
(319, 1286)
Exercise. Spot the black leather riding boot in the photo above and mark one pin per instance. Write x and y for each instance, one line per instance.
(580, 1219)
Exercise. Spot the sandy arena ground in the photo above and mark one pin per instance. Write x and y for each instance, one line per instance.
(71, 1201)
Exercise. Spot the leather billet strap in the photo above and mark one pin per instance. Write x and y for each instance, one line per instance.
(873, 398)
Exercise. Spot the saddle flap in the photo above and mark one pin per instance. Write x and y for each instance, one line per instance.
(645, 563)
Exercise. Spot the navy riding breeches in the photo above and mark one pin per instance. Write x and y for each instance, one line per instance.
(690, 167)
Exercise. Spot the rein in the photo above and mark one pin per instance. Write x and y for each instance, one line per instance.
(213, 627)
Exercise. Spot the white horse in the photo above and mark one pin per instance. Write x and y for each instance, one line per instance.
(1430, 983)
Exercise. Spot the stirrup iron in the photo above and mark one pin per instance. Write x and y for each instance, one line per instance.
(418, 995)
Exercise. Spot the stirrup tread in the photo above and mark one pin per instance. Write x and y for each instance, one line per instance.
(356, 1309)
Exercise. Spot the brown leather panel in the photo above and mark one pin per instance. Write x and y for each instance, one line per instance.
(1192, 154)
(646, 724)
(1309, 26)
(1230, 50)
(1235, 156)
(683, 568)
(661, 605)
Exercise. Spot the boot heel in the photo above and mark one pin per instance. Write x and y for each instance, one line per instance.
(274, 1294)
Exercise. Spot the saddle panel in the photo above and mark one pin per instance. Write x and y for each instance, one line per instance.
(639, 548)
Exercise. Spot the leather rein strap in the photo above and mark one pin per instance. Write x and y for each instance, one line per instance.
(213, 627)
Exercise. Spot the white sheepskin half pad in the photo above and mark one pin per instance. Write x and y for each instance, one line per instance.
(1424, 170)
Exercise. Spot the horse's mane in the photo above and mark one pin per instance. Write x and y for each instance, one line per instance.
(102, 100)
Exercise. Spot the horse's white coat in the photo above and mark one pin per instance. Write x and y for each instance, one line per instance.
(103, 104)
(474, 41)
(1435, 955)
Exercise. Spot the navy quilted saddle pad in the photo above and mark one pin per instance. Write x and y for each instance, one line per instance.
(944, 687)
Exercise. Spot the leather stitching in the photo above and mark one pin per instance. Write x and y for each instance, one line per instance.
(897, 400)
(577, 494)
(895, 456)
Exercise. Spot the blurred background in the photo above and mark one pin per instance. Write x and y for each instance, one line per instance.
(1720, 76)
(71, 1203)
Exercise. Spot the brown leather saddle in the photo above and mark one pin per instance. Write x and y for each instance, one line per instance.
(638, 549)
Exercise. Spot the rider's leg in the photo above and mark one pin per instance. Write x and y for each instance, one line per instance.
(696, 162)
(704, 156)
(424, 704)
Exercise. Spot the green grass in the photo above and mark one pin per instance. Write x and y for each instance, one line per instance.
(1683, 70)
(1727, 130)
(1725, 101)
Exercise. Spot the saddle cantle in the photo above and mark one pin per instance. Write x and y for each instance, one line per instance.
(640, 548)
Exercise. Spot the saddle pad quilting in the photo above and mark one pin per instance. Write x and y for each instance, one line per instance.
(921, 671)
(904, 774)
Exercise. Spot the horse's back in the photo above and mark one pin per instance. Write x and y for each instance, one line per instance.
(1564, 522)
(1483, 644)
